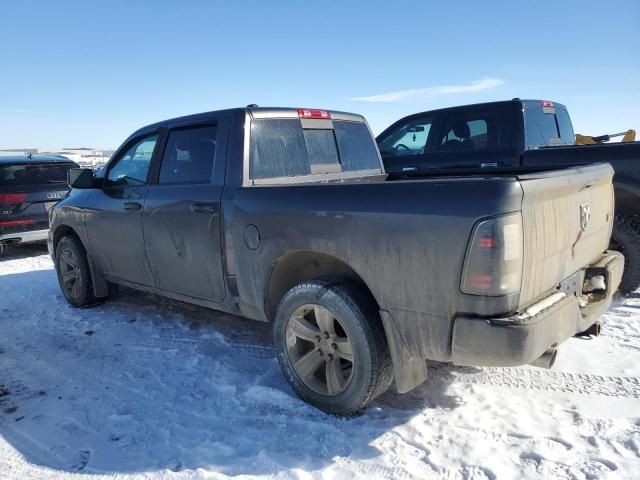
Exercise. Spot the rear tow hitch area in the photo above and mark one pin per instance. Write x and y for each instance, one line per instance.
(547, 359)
(594, 288)
(592, 331)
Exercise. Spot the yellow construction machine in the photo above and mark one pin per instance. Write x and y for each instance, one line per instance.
(628, 136)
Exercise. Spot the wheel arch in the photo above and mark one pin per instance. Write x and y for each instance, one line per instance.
(627, 196)
(62, 231)
(295, 268)
(98, 282)
(301, 266)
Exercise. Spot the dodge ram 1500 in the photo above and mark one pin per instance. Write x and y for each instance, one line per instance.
(287, 216)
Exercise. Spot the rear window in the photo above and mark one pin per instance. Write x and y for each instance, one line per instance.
(321, 150)
(564, 124)
(33, 174)
(358, 150)
(282, 148)
(548, 126)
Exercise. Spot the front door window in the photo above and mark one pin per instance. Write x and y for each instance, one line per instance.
(131, 169)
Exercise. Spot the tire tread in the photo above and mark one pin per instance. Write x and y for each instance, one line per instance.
(368, 324)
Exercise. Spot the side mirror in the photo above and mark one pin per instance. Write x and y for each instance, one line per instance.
(81, 178)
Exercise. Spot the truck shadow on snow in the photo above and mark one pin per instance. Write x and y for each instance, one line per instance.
(142, 383)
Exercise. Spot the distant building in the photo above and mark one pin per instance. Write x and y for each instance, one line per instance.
(83, 156)
(18, 151)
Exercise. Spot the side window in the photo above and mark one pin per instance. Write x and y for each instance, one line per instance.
(132, 167)
(408, 139)
(188, 156)
(466, 133)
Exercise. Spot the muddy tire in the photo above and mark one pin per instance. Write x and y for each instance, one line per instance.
(73, 272)
(331, 346)
(626, 239)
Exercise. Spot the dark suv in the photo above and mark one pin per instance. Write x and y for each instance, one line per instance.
(29, 187)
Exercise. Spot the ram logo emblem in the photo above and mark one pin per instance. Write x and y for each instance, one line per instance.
(585, 216)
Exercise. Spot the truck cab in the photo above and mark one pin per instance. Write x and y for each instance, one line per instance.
(487, 135)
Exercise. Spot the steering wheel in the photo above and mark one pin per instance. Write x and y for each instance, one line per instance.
(402, 146)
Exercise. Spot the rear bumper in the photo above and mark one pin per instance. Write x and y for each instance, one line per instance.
(522, 338)
(24, 237)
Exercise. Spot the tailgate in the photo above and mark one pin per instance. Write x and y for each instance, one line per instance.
(567, 219)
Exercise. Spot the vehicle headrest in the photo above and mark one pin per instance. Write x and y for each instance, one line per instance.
(461, 129)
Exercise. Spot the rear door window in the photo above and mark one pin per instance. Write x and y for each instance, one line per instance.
(469, 132)
(188, 155)
(282, 148)
(34, 174)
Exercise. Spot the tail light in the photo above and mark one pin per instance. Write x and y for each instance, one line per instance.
(493, 265)
(15, 223)
(12, 198)
(313, 113)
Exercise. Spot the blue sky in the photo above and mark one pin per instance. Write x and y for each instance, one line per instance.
(78, 73)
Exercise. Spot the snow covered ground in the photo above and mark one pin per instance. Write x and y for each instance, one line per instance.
(142, 387)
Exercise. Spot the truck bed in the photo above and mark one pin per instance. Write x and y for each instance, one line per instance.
(623, 157)
(555, 244)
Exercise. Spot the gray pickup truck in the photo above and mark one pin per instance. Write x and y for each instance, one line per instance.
(287, 216)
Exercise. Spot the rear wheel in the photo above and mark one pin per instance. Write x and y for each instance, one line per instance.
(331, 346)
(74, 276)
(626, 239)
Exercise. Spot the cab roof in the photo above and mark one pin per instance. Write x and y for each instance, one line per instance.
(254, 111)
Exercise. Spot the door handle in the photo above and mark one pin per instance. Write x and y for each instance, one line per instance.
(204, 207)
(132, 206)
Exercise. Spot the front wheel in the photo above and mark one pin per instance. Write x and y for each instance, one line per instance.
(625, 238)
(74, 276)
(331, 346)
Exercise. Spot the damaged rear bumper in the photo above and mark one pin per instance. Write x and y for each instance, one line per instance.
(522, 338)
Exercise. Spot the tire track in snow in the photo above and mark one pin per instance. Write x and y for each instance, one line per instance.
(511, 377)
(371, 470)
(544, 380)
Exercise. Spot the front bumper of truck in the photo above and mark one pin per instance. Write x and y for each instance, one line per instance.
(522, 338)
